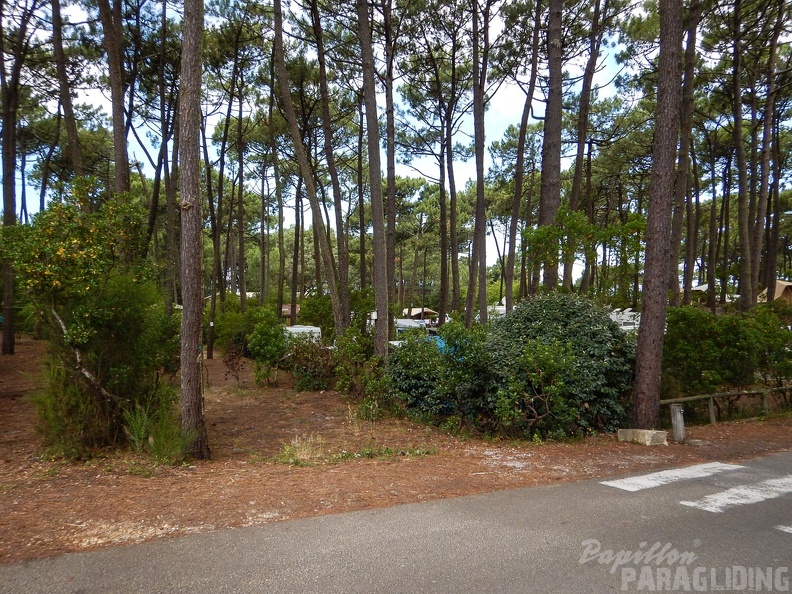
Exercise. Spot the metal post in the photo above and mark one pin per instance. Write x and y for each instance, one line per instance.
(678, 422)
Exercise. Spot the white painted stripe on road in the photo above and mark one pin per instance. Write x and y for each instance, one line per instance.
(784, 529)
(657, 479)
(744, 495)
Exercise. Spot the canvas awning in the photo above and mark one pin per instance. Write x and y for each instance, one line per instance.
(418, 312)
(783, 291)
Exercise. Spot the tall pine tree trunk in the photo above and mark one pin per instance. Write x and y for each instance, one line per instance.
(519, 170)
(342, 245)
(192, 412)
(550, 188)
(305, 167)
(682, 183)
(767, 141)
(646, 395)
(113, 37)
(380, 273)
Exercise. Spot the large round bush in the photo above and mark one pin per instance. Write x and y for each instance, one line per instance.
(563, 365)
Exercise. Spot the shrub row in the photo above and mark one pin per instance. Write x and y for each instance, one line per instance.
(556, 366)
(704, 353)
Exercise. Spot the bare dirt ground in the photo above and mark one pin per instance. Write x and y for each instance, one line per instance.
(50, 507)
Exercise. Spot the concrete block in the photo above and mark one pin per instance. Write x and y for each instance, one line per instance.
(643, 436)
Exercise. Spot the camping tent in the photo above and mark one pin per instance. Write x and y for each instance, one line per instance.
(783, 291)
(417, 313)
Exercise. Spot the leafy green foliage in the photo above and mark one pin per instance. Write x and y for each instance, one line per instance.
(555, 366)
(154, 428)
(463, 379)
(318, 311)
(71, 421)
(594, 373)
(352, 360)
(704, 353)
(111, 340)
(128, 355)
(267, 344)
(536, 399)
(690, 351)
(311, 363)
(233, 326)
(448, 379)
(774, 344)
(412, 368)
(362, 375)
(377, 401)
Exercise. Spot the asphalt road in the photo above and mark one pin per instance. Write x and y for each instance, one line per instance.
(706, 528)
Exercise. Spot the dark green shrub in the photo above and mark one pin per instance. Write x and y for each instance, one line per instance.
(311, 363)
(377, 401)
(318, 311)
(97, 300)
(72, 420)
(154, 427)
(463, 379)
(449, 378)
(773, 341)
(690, 351)
(127, 349)
(782, 310)
(737, 352)
(352, 360)
(536, 399)
(267, 345)
(413, 367)
(230, 328)
(596, 377)
(555, 366)
(704, 353)
(233, 326)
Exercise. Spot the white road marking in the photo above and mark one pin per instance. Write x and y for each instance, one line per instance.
(747, 494)
(657, 479)
(785, 529)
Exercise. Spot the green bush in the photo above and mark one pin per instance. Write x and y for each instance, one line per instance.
(555, 366)
(690, 351)
(154, 427)
(311, 363)
(352, 361)
(267, 345)
(230, 328)
(97, 300)
(704, 353)
(233, 326)
(536, 400)
(318, 311)
(773, 341)
(377, 401)
(463, 380)
(129, 347)
(72, 421)
(592, 385)
(445, 379)
(412, 368)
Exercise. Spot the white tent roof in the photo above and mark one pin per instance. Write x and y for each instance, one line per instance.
(415, 312)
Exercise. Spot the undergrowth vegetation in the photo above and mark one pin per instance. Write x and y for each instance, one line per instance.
(705, 353)
(554, 367)
(112, 345)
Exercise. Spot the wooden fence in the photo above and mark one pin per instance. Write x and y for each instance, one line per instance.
(712, 397)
